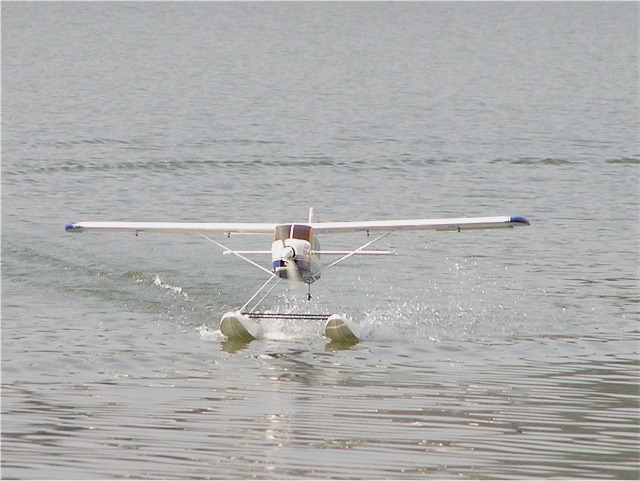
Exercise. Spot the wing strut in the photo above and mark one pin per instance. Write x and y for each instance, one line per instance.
(231, 251)
(359, 249)
(258, 292)
(272, 276)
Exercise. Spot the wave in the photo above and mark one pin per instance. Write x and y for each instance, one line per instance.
(552, 161)
(625, 160)
(560, 161)
(39, 167)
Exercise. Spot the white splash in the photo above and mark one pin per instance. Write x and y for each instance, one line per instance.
(174, 289)
(208, 333)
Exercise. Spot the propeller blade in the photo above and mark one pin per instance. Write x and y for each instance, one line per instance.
(293, 273)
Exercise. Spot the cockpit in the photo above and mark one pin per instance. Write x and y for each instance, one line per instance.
(293, 231)
(294, 246)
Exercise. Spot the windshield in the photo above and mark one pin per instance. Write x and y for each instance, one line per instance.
(295, 231)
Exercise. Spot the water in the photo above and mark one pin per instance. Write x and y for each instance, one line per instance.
(507, 354)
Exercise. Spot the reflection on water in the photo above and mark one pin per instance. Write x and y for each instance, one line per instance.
(232, 346)
(529, 408)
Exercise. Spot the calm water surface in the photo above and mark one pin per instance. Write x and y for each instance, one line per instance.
(507, 354)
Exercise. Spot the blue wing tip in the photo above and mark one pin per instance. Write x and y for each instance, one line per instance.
(516, 219)
(72, 226)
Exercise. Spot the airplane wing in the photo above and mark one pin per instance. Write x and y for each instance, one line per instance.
(173, 227)
(453, 224)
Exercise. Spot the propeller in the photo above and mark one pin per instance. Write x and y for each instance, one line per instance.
(288, 255)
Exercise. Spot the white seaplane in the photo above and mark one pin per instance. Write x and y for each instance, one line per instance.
(295, 255)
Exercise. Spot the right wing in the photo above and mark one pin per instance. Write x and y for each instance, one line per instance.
(173, 227)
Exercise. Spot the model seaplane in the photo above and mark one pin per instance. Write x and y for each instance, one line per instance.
(295, 255)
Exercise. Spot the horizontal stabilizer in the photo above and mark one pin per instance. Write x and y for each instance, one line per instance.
(234, 252)
(342, 253)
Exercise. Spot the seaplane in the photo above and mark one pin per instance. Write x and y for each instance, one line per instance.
(295, 256)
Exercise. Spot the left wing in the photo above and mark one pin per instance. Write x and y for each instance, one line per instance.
(453, 224)
(173, 227)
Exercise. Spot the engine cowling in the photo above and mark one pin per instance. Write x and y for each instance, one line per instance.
(288, 253)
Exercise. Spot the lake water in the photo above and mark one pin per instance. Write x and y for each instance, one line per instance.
(488, 354)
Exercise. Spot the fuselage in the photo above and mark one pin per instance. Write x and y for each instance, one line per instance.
(295, 253)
